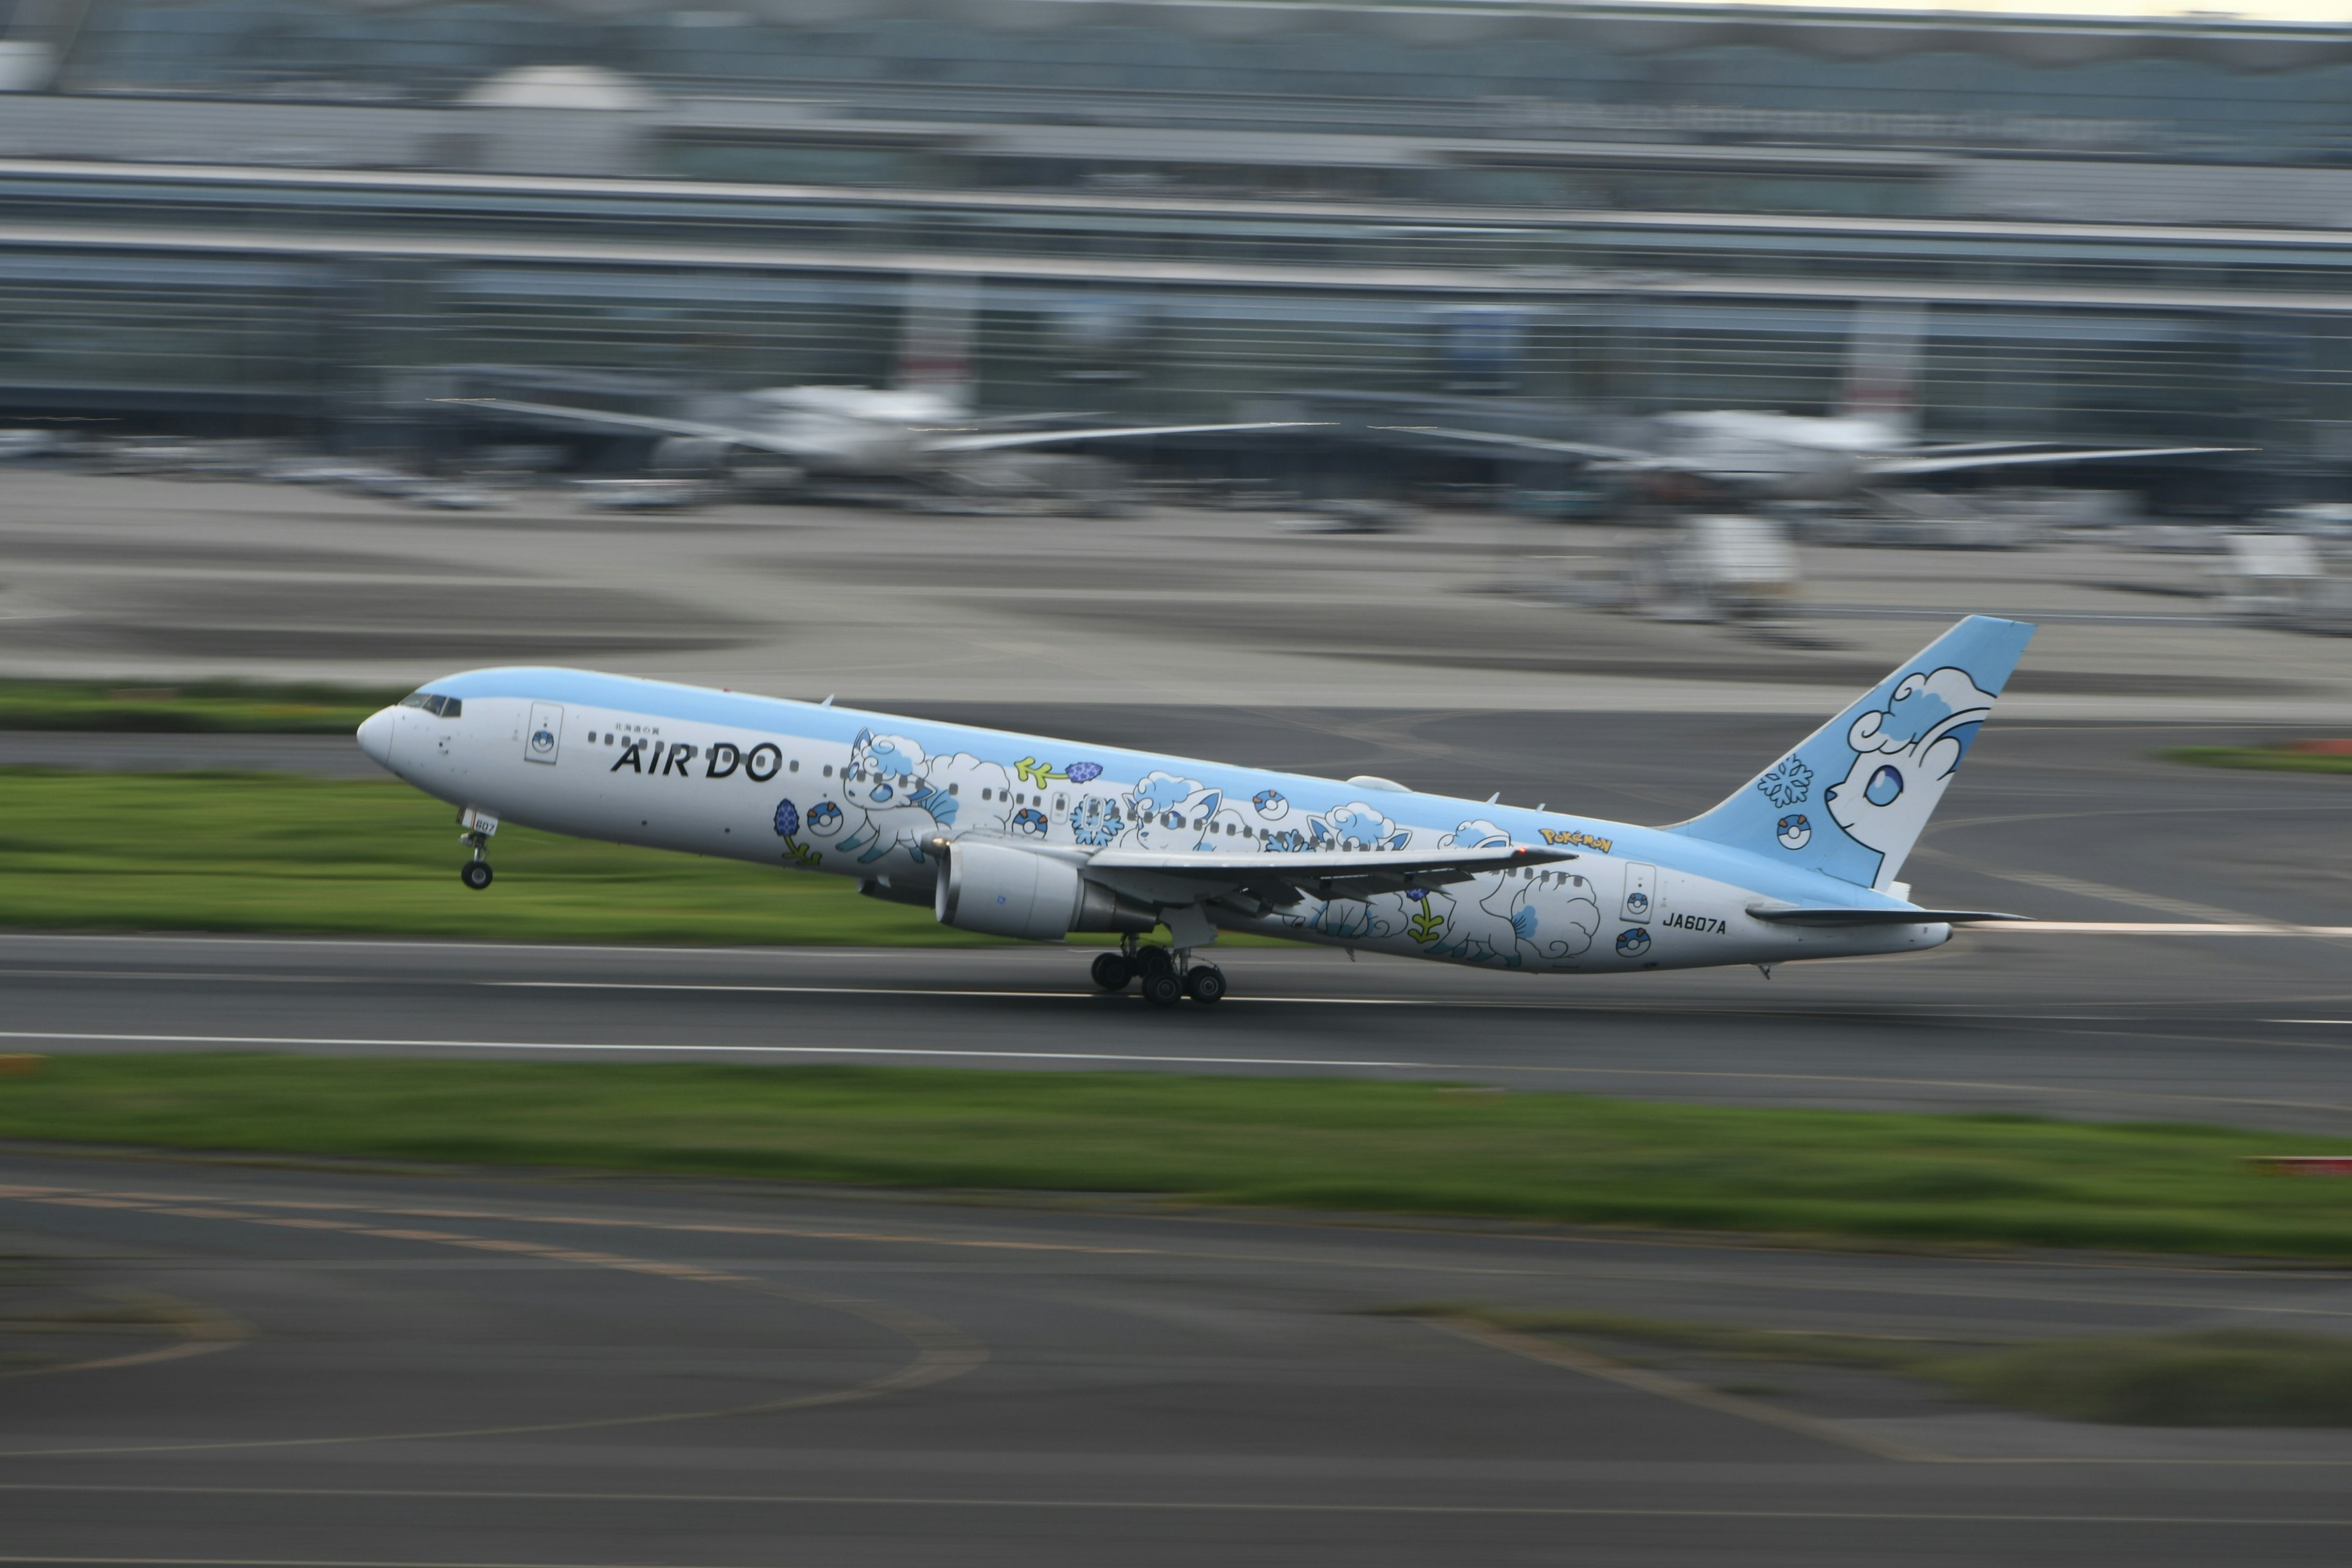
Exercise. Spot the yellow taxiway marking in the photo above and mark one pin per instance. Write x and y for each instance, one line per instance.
(1533, 1347)
(942, 1350)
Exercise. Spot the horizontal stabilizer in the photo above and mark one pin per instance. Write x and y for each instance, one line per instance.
(1786, 916)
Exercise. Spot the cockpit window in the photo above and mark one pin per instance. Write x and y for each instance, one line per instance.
(432, 702)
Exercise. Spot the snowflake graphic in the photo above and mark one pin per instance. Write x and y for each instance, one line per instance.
(1788, 784)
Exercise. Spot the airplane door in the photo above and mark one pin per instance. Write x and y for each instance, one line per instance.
(1641, 894)
(544, 737)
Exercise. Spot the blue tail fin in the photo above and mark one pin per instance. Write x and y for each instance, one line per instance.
(1853, 798)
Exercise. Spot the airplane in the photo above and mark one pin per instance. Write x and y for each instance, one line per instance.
(913, 430)
(1026, 836)
(1871, 440)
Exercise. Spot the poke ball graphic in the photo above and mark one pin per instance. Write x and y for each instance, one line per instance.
(1271, 804)
(1030, 821)
(1638, 902)
(1795, 831)
(824, 818)
(1633, 943)
(542, 740)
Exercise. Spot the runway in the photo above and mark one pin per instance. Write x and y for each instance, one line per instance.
(2056, 1024)
(362, 1367)
(2193, 964)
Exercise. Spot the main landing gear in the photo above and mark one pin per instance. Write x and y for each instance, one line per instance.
(1168, 977)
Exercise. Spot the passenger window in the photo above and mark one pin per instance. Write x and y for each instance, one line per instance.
(986, 795)
(795, 767)
(953, 789)
(828, 770)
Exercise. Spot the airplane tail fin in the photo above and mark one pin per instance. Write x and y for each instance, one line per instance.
(1881, 366)
(935, 340)
(1853, 798)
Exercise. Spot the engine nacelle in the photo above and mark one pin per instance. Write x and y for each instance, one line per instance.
(998, 890)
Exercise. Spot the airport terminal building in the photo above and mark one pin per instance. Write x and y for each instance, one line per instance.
(266, 214)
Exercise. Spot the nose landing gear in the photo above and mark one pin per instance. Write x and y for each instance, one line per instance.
(478, 826)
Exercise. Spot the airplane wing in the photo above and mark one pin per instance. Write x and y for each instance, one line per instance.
(1002, 440)
(631, 424)
(1786, 915)
(1894, 468)
(1282, 879)
(1624, 455)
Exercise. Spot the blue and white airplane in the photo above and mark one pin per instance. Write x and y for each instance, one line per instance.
(1020, 835)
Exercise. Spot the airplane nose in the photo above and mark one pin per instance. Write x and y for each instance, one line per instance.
(375, 734)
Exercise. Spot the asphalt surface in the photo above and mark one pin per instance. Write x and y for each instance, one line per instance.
(343, 1367)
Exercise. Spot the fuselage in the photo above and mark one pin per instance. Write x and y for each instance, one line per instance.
(813, 789)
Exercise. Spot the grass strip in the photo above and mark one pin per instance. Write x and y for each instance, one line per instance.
(2201, 1377)
(1305, 1142)
(279, 852)
(2269, 759)
(202, 707)
(273, 852)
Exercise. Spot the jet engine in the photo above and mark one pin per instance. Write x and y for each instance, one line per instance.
(1002, 891)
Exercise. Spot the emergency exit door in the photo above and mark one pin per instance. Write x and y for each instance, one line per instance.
(544, 737)
(1641, 894)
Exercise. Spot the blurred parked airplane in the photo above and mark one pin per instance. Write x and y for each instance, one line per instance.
(1872, 439)
(911, 430)
(1020, 835)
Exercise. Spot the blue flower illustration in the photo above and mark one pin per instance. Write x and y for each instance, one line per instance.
(1085, 772)
(788, 823)
(1788, 784)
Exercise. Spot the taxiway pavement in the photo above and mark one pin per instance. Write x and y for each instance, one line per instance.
(347, 1366)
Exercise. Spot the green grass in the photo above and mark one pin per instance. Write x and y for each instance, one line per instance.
(204, 706)
(2207, 1377)
(2215, 1377)
(270, 852)
(2272, 759)
(1307, 1143)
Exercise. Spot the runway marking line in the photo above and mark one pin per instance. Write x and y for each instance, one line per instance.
(942, 1350)
(1531, 1347)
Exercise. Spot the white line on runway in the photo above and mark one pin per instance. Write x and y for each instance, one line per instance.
(999, 993)
(753, 1050)
(2156, 927)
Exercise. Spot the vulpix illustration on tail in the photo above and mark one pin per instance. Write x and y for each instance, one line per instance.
(1022, 835)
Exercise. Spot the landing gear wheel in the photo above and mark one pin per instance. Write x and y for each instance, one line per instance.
(1160, 987)
(1152, 960)
(1112, 971)
(475, 874)
(1206, 983)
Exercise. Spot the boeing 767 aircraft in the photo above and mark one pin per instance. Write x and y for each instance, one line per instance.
(1019, 836)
